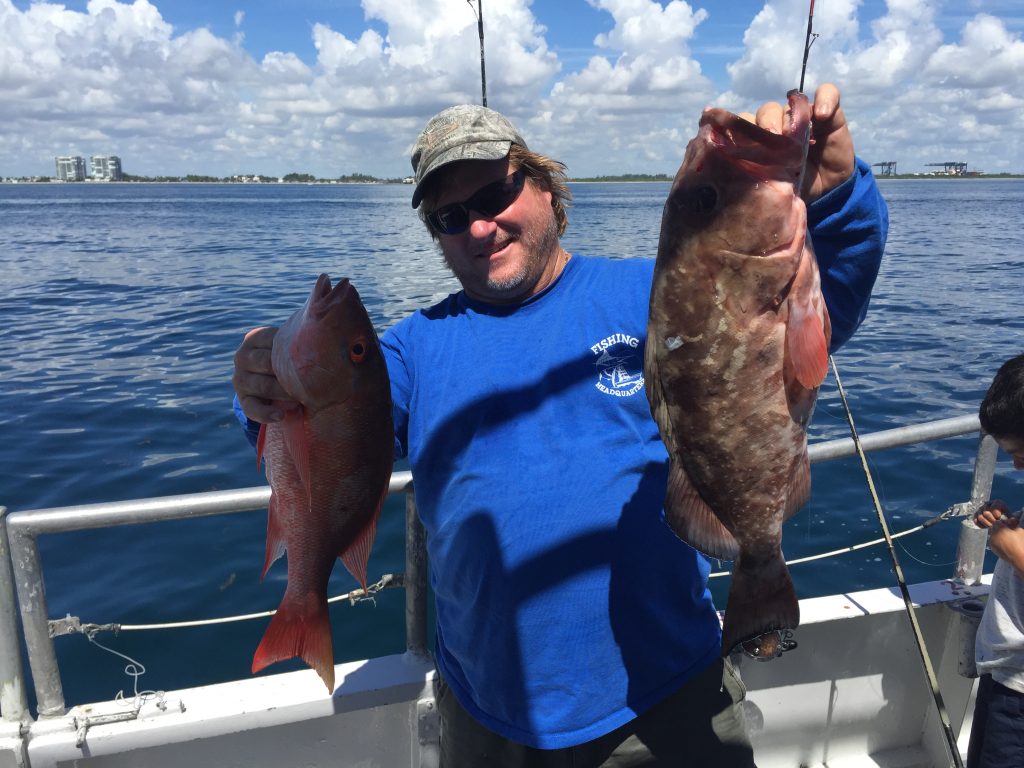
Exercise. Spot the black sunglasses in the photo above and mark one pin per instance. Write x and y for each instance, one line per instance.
(489, 200)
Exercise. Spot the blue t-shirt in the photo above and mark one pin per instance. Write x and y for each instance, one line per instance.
(565, 605)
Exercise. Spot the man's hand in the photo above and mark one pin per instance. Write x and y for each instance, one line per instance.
(259, 392)
(830, 159)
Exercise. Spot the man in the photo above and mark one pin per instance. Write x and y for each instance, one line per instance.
(997, 731)
(573, 627)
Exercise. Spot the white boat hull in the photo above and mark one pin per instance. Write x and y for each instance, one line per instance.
(853, 693)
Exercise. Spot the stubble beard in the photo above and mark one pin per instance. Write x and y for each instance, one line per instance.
(538, 244)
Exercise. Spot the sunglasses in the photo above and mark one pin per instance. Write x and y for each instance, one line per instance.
(489, 201)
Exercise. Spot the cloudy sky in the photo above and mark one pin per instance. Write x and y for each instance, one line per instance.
(333, 87)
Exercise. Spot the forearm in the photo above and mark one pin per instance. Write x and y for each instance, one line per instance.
(848, 229)
(1008, 544)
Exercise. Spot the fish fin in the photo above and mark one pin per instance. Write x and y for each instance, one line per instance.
(693, 520)
(301, 627)
(275, 536)
(296, 437)
(799, 489)
(761, 599)
(261, 443)
(806, 345)
(356, 555)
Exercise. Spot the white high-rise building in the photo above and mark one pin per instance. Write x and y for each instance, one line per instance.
(70, 168)
(106, 167)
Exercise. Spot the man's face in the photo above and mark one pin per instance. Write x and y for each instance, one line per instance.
(1015, 447)
(507, 257)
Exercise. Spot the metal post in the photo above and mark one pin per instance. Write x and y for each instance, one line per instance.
(415, 580)
(13, 702)
(28, 577)
(970, 551)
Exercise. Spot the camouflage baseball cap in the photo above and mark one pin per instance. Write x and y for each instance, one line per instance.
(464, 132)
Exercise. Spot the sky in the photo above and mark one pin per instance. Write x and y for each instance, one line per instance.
(338, 87)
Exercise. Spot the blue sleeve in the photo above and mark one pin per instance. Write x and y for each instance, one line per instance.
(250, 427)
(848, 228)
(393, 342)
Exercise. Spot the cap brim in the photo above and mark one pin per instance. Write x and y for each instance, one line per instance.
(477, 150)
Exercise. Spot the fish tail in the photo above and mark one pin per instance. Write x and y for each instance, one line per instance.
(761, 599)
(301, 627)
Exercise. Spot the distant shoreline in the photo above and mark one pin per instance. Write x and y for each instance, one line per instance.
(625, 179)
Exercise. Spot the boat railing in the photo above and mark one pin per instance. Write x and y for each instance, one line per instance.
(23, 603)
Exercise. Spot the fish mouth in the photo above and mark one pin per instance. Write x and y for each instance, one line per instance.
(323, 296)
(756, 150)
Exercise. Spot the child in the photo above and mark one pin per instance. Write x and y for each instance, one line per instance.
(997, 735)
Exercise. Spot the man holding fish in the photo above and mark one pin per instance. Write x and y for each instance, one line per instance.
(574, 627)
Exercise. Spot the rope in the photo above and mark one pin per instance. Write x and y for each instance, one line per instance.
(387, 581)
(904, 590)
(854, 547)
(134, 669)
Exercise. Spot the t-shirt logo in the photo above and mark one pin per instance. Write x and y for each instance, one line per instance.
(620, 366)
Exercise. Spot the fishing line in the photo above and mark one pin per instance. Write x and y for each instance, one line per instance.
(134, 669)
(904, 590)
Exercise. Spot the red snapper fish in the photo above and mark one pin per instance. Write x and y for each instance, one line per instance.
(737, 346)
(328, 463)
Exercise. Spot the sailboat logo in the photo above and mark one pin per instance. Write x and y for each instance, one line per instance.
(619, 365)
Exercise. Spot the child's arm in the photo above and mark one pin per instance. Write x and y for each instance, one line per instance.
(1006, 537)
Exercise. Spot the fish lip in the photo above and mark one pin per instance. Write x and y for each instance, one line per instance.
(791, 247)
(757, 150)
(323, 291)
(782, 250)
(323, 296)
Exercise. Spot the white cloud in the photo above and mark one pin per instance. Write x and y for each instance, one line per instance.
(117, 77)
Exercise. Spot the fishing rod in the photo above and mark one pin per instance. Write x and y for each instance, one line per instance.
(479, 13)
(933, 682)
(808, 42)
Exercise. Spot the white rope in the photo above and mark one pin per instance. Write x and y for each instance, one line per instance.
(387, 581)
(134, 669)
(843, 551)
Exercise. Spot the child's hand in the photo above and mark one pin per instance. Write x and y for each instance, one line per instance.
(993, 512)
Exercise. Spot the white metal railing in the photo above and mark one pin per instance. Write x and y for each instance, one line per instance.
(21, 567)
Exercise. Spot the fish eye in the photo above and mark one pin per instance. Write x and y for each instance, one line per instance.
(702, 200)
(357, 352)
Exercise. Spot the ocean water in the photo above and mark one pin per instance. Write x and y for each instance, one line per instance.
(122, 305)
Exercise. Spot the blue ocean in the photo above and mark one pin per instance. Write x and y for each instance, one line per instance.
(122, 306)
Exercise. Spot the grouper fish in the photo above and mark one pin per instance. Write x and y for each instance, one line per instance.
(328, 464)
(737, 347)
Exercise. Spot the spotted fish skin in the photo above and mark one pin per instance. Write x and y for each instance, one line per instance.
(737, 347)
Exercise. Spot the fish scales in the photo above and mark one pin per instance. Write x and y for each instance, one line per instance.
(737, 347)
(328, 463)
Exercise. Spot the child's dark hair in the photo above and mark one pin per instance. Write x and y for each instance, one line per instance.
(1002, 410)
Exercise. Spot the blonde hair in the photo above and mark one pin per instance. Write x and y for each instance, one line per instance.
(547, 174)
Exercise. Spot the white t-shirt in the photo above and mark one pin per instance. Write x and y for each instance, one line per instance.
(999, 648)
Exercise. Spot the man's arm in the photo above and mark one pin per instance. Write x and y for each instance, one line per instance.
(846, 215)
(848, 226)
